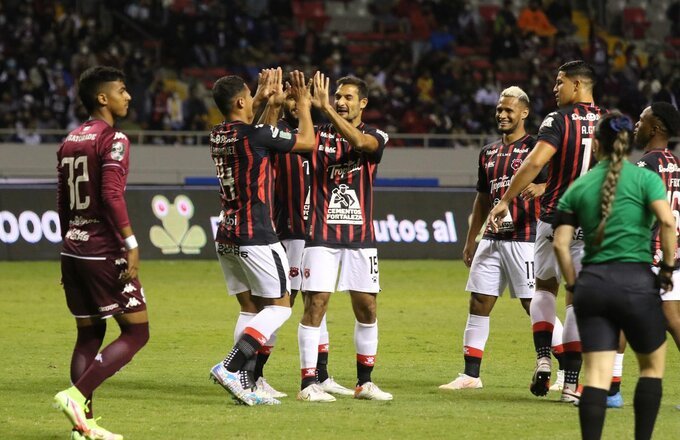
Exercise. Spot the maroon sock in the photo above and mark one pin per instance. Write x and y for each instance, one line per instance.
(114, 357)
(88, 343)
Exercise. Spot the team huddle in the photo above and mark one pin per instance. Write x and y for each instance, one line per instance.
(296, 218)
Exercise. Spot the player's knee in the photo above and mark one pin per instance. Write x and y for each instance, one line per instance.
(136, 334)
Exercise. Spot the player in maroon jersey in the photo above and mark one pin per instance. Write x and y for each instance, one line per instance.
(253, 261)
(503, 258)
(100, 256)
(564, 143)
(340, 233)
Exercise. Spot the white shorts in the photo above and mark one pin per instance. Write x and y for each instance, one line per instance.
(294, 249)
(358, 269)
(498, 263)
(546, 262)
(673, 295)
(262, 269)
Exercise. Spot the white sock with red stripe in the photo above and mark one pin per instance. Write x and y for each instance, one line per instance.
(474, 340)
(542, 311)
(366, 343)
(616, 374)
(308, 344)
(267, 321)
(572, 350)
(322, 359)
(557, 346)
(243, 319)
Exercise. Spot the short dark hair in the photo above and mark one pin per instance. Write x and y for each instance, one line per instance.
(360, 84)
(91, 81)
(225, 89)
(668, 115)
(579, 68)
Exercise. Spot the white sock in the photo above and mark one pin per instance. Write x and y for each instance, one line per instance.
(243, 319)
(323, 333)
(272, 341)
(366, 338)
(269, 320)
(475, 335)
(558, 331)
(618, 366)
(570, 338)
(308, 343)
(543, 308)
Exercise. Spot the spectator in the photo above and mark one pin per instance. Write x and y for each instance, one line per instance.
(533, 21)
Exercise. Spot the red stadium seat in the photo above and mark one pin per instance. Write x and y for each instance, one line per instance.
(635, 22)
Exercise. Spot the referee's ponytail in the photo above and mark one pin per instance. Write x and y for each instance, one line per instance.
(613, 134)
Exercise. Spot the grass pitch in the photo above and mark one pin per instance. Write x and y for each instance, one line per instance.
(165, 394)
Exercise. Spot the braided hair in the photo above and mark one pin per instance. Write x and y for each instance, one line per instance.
(613, 134)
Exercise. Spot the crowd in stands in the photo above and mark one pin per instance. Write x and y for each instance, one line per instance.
(437, 66)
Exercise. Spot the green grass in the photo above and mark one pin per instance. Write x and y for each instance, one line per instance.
(164, 393)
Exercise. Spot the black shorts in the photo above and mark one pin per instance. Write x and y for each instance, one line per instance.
(93, 288)
(619, 296)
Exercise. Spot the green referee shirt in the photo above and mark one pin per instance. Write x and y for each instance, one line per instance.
(627, 233)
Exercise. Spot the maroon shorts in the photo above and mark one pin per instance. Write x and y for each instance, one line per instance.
(93, 287)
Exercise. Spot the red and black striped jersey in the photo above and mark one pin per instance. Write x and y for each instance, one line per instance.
(497, 166)
(242, 155)
(570, 130)
(291, 191)
(341, 190)
(667, 166)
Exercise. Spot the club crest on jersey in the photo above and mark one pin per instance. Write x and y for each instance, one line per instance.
(117, 151)
(515, 164)
(294, 272)
(306, 272)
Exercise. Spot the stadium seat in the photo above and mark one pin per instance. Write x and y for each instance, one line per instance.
(635, 23)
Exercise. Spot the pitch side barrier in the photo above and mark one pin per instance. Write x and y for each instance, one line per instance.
(180, 222)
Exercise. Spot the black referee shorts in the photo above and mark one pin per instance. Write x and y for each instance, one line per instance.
(619, 296)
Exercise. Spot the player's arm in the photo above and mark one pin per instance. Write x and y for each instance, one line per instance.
(562, 238)
(62, 201)
(480, 209)
(306, 139)
(114, 178)
(358, 140)
(667, 235)
(527, 172)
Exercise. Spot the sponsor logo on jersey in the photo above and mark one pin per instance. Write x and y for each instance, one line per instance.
(344, 207)
(501, 182)
(82, 221)
(343, 170)
(77, 235)
(671, 168)
(383, 135)
(81, 137)
(227, 249)
(216, 138)
(117, 151)
(490, 164)
(520, 150)
(587, 117)
(328, 148)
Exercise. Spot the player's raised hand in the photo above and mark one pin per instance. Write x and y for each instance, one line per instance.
(275, 88)
(321, 87)
(298, 89)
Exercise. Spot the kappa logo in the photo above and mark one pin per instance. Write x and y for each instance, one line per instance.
(99, 358)
(119, 135)
(516, 164)
(133, 302)
(129, 288)
(294, 272)
(120, 262)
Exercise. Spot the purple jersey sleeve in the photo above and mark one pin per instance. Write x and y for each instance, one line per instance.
(115, 157)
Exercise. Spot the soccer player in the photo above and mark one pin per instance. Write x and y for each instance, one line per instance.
(100, 256)
(252, 259)
(615, 205)
(340, 233)
(564, 143)
(507, 257)
(291, 211)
